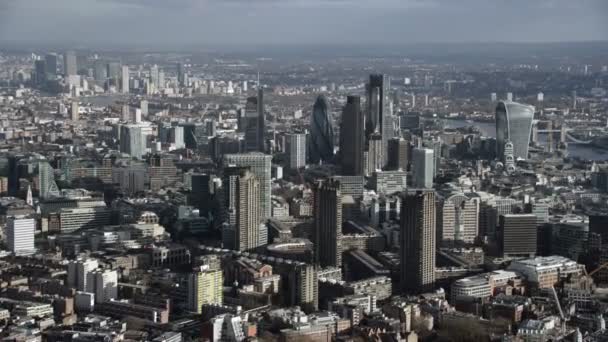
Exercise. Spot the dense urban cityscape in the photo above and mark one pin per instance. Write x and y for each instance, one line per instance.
(294, 195)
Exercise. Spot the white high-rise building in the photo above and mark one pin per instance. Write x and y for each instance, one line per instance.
(161, 80)
(125, 79)
(509, 96)
(423, 165)
(20, 235)
(177, 137)
(126, 113)
(137, 115)
(104, 284)
(75, 111)
(143, 105)
(70, 66)
(297, 151)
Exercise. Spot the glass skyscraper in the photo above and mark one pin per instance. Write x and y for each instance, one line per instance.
(514, 124)
(352, 138)
(321, 147)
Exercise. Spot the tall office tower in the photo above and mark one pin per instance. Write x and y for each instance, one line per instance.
(205, 287)
(253, 139)
(372, 117)
(229, 204)
(493, 97)
(104, 284)
(114, 71)
(321, 133)
(418, 215)
(260, 165)
(13, 175)
(423, 168)
(574, 99)
(598, 224)
(78, 271)
(246, 191)
(509, 97)
(143, 105)
(375, 156)
(261, 121)
(137, 117)
(193, 133)
(161, 80)
(75, 111)
(459, 219)
(70, 66)
(379, 115)
(211, 128)
(132, 141)
(514, 123)
(203, 194)
(100, 71)
(176, 137)
(180, 74)
(488, 220)
(518, 235)
(124, 77)
(126, 113)
(51, 65)
(378, 90)
(398, 154)
(352, 138)
(46, 180)
(327, 229)
(40, 71)
(20, 235)
(297, 151)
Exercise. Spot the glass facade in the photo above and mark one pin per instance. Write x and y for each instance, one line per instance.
(514, 123)
(321, 146)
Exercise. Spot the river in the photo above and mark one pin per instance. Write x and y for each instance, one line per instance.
(574, 150)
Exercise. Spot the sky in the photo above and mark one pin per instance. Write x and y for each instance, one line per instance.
(199, 23)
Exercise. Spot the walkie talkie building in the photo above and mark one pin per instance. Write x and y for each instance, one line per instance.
(513, 123)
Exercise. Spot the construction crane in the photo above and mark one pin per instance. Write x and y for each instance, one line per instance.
(601, 267)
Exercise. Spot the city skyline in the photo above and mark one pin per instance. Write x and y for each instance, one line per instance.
(302, 170)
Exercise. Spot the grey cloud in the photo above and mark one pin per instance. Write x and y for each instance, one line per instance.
(247, 22)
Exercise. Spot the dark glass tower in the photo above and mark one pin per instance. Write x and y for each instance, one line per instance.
(180, 74)
(327, 233)
(377, 104)
(352, 138)
(261, 122)
(13, 175)
(321, 147)
(418, 241)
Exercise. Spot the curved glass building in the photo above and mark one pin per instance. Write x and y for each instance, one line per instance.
(321, 147)
(514, 124)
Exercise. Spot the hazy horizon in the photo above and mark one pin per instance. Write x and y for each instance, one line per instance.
(200, 23)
